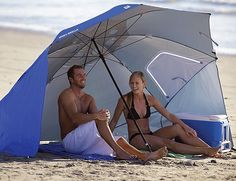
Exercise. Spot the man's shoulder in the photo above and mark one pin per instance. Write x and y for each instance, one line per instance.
(66, 92)
(88, 96)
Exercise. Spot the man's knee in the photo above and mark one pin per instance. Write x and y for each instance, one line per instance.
(122, 143)
(121, 140)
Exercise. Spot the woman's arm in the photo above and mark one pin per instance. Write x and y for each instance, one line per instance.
(118, 110)
(164, 112)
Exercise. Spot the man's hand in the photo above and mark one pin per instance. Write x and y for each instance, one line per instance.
(108, 114)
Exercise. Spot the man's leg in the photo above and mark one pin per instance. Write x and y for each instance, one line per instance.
(106, 134)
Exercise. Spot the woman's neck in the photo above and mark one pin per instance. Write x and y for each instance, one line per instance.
(138, 96)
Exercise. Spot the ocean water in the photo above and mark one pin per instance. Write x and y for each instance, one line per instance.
(53, 16)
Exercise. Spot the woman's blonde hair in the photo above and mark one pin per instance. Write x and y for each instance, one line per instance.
(140, 74)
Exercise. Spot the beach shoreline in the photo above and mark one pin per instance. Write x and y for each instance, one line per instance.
(20, 48)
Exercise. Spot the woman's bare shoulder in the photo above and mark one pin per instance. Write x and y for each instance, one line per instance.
(151, 99)
(125, 97)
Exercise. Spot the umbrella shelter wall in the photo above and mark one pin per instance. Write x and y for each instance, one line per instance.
(173, 49)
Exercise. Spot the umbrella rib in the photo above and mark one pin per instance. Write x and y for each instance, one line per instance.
(66, 72)
(104, 38)
(139, 14)
(90, 45)
(68, 59)
(85, 43)
(113, 60)
(184, 45)
(87, 53)
(118, 24)
(76, 56)
(130, 44)
(92, 67)
(97, 29)
(58, 76)
(124, 33)
(69, 56)
(173, 42)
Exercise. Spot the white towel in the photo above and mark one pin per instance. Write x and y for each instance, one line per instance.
(86, 140)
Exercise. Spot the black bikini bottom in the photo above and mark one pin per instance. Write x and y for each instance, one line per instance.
(136, 134)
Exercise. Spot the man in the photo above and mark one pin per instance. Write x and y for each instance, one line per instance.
(85, 130)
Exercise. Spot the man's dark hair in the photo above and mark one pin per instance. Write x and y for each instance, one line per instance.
(70, 72)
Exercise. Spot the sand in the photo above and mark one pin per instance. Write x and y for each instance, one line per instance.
(19, 49)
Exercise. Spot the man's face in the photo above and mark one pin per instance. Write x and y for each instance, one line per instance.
(79, 78)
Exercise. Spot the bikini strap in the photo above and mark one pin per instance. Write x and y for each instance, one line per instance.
(145, 99)
(132, 103)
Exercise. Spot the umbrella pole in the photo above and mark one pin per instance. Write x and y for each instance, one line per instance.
(118, 89)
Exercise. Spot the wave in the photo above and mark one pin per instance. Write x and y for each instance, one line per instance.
(53, 16)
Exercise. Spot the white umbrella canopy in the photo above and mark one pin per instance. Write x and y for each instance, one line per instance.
(171, 47)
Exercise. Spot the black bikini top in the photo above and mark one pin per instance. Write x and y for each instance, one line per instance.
(132, 114)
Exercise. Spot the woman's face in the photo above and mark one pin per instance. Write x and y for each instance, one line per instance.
(136, 84)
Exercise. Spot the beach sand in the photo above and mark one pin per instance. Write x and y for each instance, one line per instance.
(19, 49)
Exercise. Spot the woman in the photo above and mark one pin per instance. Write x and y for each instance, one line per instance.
(139, 104)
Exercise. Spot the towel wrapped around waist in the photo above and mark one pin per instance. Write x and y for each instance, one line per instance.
(85, 140)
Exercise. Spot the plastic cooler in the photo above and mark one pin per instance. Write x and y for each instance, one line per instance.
(213, 129)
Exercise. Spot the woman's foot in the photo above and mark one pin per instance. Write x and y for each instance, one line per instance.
(158, 154)
(212, 152)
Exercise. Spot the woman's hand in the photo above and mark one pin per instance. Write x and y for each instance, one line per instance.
(189, 131)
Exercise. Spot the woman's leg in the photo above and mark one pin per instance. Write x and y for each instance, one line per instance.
(157, 142)
(142, 155)
(176, 130)
(122, 148)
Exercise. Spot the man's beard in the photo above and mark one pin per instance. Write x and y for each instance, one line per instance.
(81, 86)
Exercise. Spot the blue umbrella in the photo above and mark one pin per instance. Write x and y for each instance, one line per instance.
(125, 31)
(173, 48)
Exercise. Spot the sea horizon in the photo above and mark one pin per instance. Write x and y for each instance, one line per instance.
(47, 17)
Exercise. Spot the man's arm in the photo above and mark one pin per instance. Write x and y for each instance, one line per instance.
(68, 101)
(92, 109)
